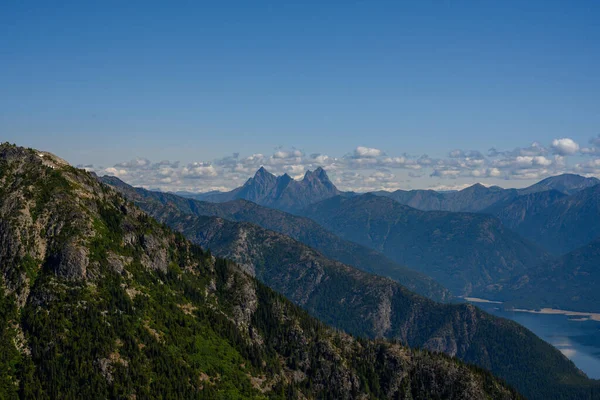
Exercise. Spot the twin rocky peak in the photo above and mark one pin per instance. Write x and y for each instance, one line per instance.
(282, 192)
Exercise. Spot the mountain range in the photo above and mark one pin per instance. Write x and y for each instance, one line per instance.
(558, 222)
(287, 194)
(355, 301)
(95, 290)
(551, 218)
(478, 198)
(98, 300)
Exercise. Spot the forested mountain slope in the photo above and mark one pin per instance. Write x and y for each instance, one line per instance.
(557, 222)
(569, 282)
(368, 305)
(97, 300)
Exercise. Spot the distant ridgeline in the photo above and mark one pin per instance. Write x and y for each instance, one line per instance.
(287, 194)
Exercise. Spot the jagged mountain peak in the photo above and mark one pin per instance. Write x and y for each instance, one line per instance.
(262, 175)
(281, 184)
(319, 173)
(285, 178)
(282, 192)
(262, 171)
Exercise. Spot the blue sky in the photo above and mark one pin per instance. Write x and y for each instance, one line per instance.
(103, 83)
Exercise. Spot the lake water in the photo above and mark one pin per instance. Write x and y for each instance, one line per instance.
(577, 338)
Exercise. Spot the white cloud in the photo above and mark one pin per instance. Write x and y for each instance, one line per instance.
(471, 154)
(138, 163)
(287, 154)
(565, 146)
(115, 172)
(448, 173)
(594, 149)
(590, 168)
(494, 172)
(367, 152)
(199, 170)
(541, 161)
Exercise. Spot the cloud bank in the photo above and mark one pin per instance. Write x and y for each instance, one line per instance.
(368, 168)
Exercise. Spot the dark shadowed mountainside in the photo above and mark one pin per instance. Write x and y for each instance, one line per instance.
(465, 252)
(570, 282)
(558, 223)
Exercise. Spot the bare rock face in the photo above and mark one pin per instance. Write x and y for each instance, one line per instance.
(156, 257)
(245, 300)
(382, 321)
(72, 262)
